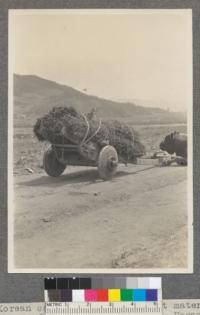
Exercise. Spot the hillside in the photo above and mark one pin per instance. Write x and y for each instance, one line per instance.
(34, 97)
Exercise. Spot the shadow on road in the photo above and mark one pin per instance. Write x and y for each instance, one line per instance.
(66, 179)
(85, 176)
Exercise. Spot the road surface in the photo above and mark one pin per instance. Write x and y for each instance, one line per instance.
(137, 220)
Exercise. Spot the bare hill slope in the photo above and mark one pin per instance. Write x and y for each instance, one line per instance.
(34, 97)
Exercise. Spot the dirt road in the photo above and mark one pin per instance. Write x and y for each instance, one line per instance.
(138, 220)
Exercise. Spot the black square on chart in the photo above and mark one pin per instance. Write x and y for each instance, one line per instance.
(50, 283)
(62, 283)
(74, 283)
(85, 283)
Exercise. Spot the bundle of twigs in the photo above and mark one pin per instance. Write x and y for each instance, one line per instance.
(66, 125)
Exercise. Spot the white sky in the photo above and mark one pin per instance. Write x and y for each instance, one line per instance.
(132, 54)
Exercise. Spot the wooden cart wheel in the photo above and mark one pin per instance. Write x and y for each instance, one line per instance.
(52, 166)
(107, 162)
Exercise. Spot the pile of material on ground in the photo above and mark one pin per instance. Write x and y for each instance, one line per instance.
(65, 125)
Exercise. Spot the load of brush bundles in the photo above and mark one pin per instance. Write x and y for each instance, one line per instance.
(65, 125)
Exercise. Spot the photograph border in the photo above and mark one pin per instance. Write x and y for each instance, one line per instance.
(29, 287)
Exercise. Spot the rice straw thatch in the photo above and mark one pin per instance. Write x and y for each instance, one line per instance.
(65, 125)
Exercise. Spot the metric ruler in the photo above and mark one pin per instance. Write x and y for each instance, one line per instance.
(121, 308)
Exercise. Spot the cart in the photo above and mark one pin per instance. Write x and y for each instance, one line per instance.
(58, 156)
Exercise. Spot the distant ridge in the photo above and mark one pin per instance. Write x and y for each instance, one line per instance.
(35, 96)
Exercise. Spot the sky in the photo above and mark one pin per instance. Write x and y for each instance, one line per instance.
(143, 55)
